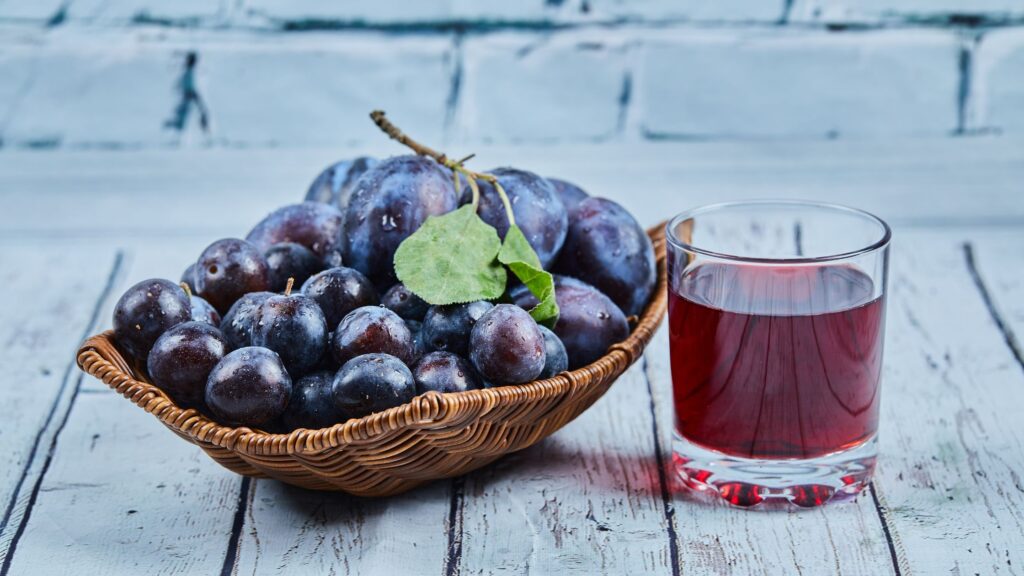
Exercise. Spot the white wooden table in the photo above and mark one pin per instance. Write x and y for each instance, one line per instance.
(93, 485)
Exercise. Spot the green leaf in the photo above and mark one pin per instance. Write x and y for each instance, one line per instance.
(519, 256)
(451, 259)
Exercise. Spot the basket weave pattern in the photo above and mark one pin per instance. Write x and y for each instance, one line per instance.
(433, 436)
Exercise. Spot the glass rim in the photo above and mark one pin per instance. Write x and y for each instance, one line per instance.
(677, 242)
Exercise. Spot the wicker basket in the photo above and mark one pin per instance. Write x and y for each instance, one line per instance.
(433, 436)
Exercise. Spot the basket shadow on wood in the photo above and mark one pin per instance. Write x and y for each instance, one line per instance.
(433, 436)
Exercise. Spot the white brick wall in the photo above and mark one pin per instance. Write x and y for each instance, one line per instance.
(998, 85)
(318, 89)
(111, 92)
(536, 88)
(689, 10)
(404, 12)
(121, 11)
(800, 84)
(894, 10)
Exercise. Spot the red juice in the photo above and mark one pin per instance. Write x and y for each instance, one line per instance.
(776, 362)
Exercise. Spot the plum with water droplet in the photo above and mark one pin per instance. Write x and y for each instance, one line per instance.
(372, 329)
(145, 311)
(339, 291)
(588, 321)
(403, 302)
(183, 357)
(447, 328)
(311, 405)
(315, 225)
(290, 260)
(229, 269)
(390, 202)
(372, 383)
(608, 249)
(538, 210)
(570, 194)
(293, 326)
(445, 372)
(248, 387)
(506, 346)
(335, 184)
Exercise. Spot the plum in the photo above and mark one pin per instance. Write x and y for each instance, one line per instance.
(145, 311)
(588, 322)
(314, 225)
(538, 210)
(238, 322)
(203, 311)
(335, 184)
(339, 291)
(293, 326)
(570, 194)
(290, 260)
(556, 358)
(419, 346)
(228, 269)
(447, 328)
(372, 329)
(248, 387)
(445, 372)
(371, 383)
(506, 346)
(390, 202)
(608, 249)
(183, 357)
(311, 405)
(403, 302)
(189, 277)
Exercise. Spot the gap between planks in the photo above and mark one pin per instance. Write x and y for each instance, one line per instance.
(112, 280)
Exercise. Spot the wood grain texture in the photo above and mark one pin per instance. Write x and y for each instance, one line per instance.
(587, 500)
(288, 529)
(952, 448)
(51, 300)
(124, 495)
(714, 538)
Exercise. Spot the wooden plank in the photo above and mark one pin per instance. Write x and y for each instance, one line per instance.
(952, 448)
(995, 262)
(236, 187)
(842, 538)
(587, 500)
(288, 528)
(121, 494)
(53, 298)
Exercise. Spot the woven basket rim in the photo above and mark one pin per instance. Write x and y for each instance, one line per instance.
(100, 357)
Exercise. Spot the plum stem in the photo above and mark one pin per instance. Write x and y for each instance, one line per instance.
(188, 291)
(288, 287)
(380, 119)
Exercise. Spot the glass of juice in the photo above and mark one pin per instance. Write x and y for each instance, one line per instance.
(776, 324)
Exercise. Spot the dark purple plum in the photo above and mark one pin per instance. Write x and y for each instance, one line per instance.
(608, 249)
(371, 383)
(445, 372)
(403, 302)
(588, 321)
(189, 277)
(311, 405)
(248, 387)
(372, 329)
(314, 225)
(290, 260)
(238, 322)
(447, 328)
(335, 184)
(390, 202)
(506, 346)
(420, 347)
(538, 210)
(144, 312)
(556, 360)
(229, 269)
(203, 311)
(293, 326)
(182, 359)
(570, 194)
(339, 291)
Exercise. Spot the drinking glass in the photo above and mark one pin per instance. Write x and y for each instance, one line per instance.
(776, 322)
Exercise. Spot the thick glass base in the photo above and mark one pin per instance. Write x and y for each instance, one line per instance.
(748, 482)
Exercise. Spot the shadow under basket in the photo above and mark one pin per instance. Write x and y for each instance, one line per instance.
(433, 436)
